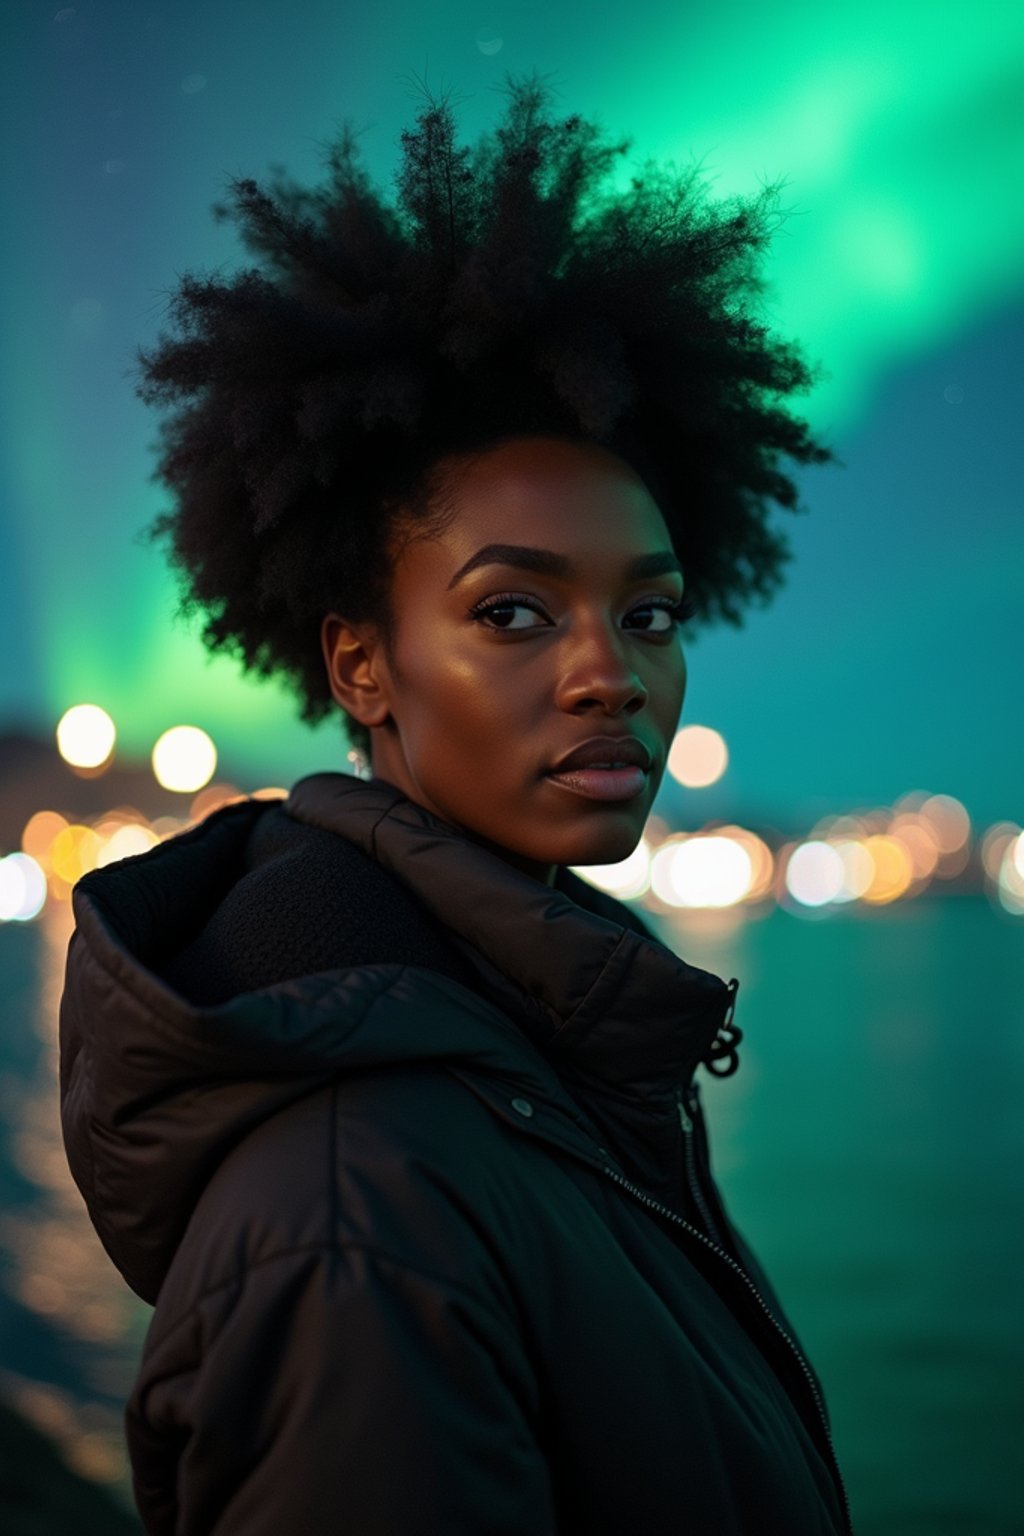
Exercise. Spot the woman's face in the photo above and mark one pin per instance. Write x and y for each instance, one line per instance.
(476, 707)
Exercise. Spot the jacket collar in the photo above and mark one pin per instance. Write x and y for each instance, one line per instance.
(593, 994)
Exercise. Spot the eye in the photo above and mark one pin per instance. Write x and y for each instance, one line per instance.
(678, 612)
(507, 602)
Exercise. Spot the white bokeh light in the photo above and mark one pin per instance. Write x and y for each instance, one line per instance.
(184, 759)
(125, 842)
(858, 869)
(85, 736)
(628, 878)
(815, 874)
(697, 757)
(1018, 855)
(701, 872)
(22, 888)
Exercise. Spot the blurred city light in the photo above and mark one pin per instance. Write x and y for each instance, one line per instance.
(815, 874)
(85, 736)
(22, 888)
(703, 871)
(184, 759)
(949, 821)
(857, 868)
(627, 879)
(698, 756)
(867, 857)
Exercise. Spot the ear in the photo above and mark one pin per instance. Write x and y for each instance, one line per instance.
(356, 668)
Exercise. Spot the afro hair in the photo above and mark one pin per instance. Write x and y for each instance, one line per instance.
(314, 395)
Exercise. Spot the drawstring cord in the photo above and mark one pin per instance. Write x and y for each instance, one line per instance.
(723, 1058)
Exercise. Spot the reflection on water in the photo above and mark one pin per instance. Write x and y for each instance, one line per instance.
(871, 1147)
(71, 1328)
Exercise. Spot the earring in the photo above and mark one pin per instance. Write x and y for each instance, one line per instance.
(359, 763)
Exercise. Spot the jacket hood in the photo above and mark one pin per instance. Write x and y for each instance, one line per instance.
(155, 1090)
(597, 992)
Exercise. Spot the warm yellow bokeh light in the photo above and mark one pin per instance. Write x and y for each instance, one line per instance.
(893, 870)
(39, 833)
(184, 759)
(73, 852)
(85, 736)
(917, 835)
(698, 756)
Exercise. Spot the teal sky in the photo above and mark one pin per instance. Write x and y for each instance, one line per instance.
(889, 662)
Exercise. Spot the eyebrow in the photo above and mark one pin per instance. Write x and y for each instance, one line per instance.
(548, 563)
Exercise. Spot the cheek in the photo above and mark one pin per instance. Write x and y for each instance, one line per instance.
(454, 699)
(682, 675)
(666, 679)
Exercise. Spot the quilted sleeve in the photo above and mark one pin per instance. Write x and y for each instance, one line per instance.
(336, 1390)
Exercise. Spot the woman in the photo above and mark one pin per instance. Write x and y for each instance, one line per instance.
(389, 1114)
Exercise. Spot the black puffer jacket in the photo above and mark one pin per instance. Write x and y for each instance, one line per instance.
(404, 1147)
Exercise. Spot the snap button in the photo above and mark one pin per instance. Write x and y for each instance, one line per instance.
(523, 1106)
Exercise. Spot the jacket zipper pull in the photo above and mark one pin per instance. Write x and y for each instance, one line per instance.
(723, 1056)
(684, 1119)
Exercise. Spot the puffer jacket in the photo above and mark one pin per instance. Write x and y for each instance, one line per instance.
(416, 1179)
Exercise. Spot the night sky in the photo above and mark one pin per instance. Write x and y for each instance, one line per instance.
(891, 659)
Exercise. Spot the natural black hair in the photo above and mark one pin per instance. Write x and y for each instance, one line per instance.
(315, 395)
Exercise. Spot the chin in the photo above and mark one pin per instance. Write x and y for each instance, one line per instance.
(602, 849)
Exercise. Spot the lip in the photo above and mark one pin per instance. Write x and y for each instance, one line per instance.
(608, 752)
(623, 783)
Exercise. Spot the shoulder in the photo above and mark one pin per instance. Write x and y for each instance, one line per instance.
(403, 1161)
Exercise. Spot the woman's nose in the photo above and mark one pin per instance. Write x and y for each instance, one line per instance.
(596, 670)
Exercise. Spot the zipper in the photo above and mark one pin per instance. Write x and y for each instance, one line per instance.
(695, 1232)
(474, 1085)
(691, 1172)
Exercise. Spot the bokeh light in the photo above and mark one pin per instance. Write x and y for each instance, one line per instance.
(22, 888)
(85, 736)
(38, 835)
(858, 868)
(706, 871)
(74, 851)
(698, 756)
(1010, 878)
(994, 844)
(949, 822)
(184, 759)
(893, 870)
(814, 873)
(627, 879)
(124, 841)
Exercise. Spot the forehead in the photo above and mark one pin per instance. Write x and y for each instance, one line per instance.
(557, 494)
